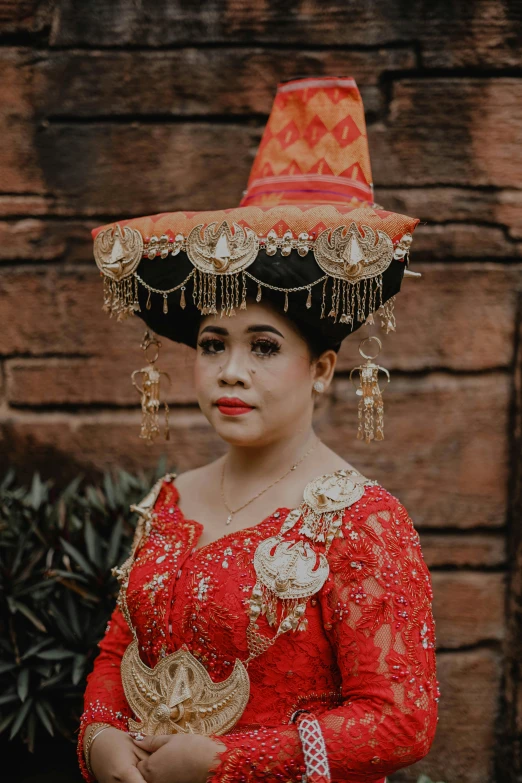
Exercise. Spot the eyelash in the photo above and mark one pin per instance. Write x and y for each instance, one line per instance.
(274, 346)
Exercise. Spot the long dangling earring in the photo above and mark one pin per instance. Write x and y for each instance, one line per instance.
(150, 401)
(371, 408)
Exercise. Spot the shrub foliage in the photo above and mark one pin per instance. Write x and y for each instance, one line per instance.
(57, 592)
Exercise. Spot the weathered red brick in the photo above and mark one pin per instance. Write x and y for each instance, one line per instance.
(456, 315)
(18, 16)
(471, 550)
(478, 35)
(107, 378)
(208, 81)
(19, 166)
(425, 141)
(458, 206)
(468, 608)
(30, 239)
(445, 453)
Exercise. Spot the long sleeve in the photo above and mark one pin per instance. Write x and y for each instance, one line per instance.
(376, 609)
(104, 699)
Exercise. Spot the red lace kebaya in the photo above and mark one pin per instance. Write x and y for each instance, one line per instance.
(365, 664)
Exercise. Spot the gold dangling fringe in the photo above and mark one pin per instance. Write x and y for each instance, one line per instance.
(221, 286)
(149, 303)
(309, 298)
(214, 294)
(165, 304)
(336, 290)
(286, 301)
(258, 295)
(120, 298)
(345, 317)
(195, 286)
(244, 290)
(323, 302)
(136, 300)
(182, 302)
(387, 316)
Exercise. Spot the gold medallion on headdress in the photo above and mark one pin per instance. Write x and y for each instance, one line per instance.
(118, 252)
(219, 251)
(348, 255)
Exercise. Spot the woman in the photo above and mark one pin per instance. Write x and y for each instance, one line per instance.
(274, 619)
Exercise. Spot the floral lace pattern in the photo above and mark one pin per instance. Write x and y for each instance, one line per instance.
(365, 663)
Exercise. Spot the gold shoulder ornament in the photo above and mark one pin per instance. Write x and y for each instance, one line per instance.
(178, 695)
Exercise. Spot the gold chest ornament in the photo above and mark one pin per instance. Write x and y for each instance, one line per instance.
(178, 695)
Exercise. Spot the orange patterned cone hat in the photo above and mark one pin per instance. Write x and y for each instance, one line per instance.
(307, 234)
(314, 149)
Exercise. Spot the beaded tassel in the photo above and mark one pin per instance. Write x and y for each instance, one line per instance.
(371, 407)
(149, 391)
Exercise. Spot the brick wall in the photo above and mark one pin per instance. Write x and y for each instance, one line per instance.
(116, 108)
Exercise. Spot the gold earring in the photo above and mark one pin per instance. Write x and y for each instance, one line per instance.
(150, 401)
(371, 408)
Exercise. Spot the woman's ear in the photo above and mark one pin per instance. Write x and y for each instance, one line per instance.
(325, 367)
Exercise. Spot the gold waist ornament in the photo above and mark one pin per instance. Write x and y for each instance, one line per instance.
(178, 695)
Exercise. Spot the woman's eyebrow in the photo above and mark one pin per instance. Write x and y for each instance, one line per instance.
(254, 328)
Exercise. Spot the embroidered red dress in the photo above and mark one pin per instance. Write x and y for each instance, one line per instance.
(365, 663)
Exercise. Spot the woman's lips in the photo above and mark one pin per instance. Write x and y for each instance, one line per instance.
(233, 407)
(233, 410)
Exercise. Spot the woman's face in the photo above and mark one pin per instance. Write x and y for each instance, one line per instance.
(258, 358)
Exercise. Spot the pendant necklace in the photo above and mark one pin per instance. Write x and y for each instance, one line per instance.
(234, 511)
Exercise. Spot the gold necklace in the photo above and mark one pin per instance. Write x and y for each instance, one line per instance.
(232, 512)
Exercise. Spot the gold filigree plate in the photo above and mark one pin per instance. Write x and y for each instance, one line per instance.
(178, 695)
(219, 251)
(351, 256)
(118, 252)
(292, 569)
(335, 491)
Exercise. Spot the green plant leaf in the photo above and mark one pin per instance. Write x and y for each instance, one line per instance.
(18, 605)
(78, 668)
(72, 613)
(6, 722)
(44, 717)
(7, 666)
(77, 556)
(8, 698)
(114, 544)
(36, 647)
(20, 717)
(38, 492)
(22, 684)
(55, 655)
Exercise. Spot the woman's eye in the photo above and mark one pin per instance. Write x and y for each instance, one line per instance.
(207, 345)
(266, 347)
(262, 347)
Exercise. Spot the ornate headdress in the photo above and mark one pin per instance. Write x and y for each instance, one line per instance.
(307, 235)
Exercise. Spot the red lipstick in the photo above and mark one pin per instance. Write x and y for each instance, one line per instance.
(233, 406)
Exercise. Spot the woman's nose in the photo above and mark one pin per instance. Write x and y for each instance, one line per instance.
(234, 368)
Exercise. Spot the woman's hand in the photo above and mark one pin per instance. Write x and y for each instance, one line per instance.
(114, 757)
(178, 758)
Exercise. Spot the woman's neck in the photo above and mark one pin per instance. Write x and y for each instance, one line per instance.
(271, 459)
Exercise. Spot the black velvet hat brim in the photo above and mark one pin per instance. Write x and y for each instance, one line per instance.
(181, 325)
